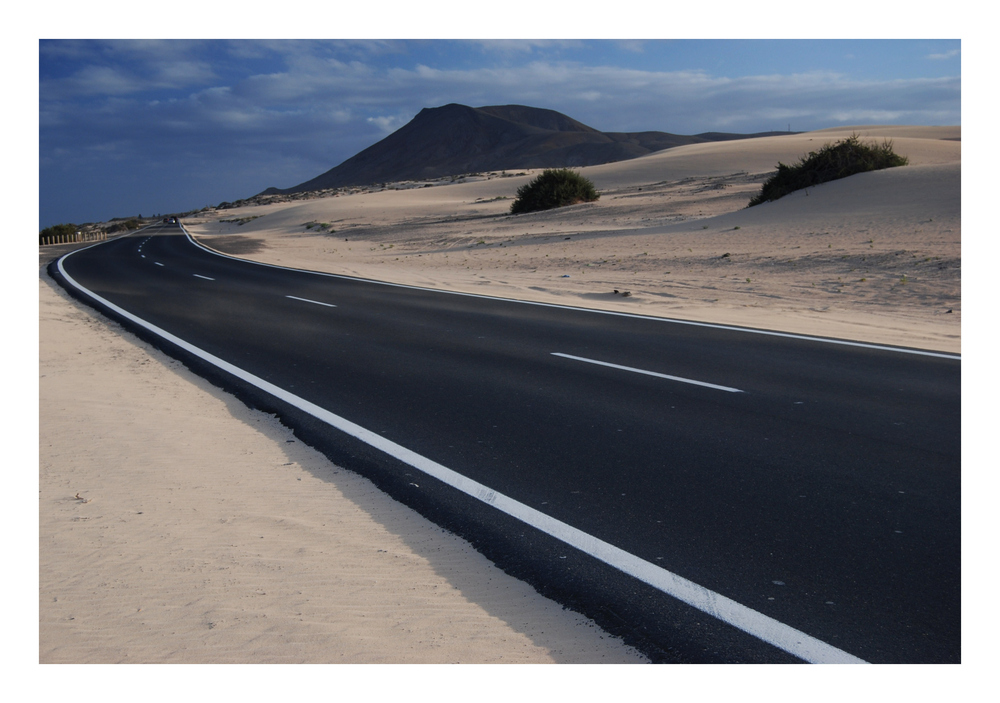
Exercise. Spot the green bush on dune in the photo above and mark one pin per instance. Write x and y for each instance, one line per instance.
(553, 188)
(833, 161)
(57, 231)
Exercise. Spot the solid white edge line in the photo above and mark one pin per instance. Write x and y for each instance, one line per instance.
(756, 624)
(598, 311)
(306, 300)
(648, 373)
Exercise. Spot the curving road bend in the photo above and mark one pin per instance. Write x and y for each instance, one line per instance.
(709, 493)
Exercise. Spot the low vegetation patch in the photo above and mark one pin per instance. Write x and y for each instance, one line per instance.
(321, 226)
(122, 226)
(240, 221)
(57, 231)
(88, 231)
(554, 188)
(833, 161)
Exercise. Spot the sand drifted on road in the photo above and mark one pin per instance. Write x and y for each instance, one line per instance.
(875, 257)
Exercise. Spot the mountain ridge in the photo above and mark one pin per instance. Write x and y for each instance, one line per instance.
(454, 139)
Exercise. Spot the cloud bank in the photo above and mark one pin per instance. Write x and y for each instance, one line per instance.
(149, 126)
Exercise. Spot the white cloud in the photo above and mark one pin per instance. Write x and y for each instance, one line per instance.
(179, 74)
(104, 71)
(636, 46)
(390, 123)
(867, 116)
(946, 55)
(94, 80)
(306, 106)
(526, 46)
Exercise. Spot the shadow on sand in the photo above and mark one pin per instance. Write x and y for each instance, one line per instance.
(543, 622)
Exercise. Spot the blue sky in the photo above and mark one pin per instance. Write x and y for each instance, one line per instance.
(156, 126)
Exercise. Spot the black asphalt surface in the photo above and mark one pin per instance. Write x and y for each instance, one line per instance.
(825, 494)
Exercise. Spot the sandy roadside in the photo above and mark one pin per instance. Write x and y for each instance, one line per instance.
(177, 525)
(873, 258)
(225, 540)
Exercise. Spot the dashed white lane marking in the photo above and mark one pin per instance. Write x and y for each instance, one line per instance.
(596, 311)
(198, 275)
(158, 263)
(314, 302)
(756, 624)
(649, 373)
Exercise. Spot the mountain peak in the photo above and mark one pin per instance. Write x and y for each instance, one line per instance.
(453, 139)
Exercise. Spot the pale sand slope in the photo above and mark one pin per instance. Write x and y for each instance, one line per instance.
(209, 537)
(875, 257)
(177, 525)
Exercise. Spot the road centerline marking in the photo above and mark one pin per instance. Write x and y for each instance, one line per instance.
(314, 302)
(596, 311)
(754, 623)
(649, 373)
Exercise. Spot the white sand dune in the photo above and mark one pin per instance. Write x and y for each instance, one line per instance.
(202, 533)
(875, 257)
(922, 145)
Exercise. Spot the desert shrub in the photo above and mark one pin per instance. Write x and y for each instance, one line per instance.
(122, 226)
(322, 226)
(833, 161)
(57, 230)
(554, 188)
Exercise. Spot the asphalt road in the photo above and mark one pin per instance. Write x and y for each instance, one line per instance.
(710, 494)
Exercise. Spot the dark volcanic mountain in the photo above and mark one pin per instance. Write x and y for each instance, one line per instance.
(455, 139)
